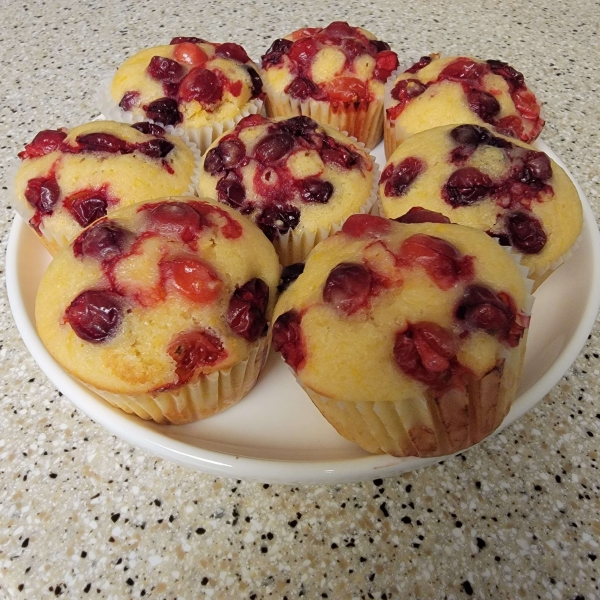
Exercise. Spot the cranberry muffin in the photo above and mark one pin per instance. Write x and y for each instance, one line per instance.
(478, 178)
(202, 87)
(442, 91)
(296, 179)
(69, 178)
(334, 74)
(162, 308)
(409, 338)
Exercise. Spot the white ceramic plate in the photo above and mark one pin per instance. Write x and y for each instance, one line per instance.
(276, 434)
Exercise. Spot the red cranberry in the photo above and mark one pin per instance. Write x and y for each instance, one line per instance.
(538, 166)
(231, 191)
(232, 51)
(43, 193)
(287, 338)
(339, 29)
(193, 278)
(183, 40)
(303, 51)
(379, 46)
(464, 69)
(417, 214)
(316, 190)
(87, 206)
(193, 350)
(352, 48)
(511, 76)
(466, 186)
(256, 82)
(301, 88)
(164, 110)
(43, 143)
(165, 69)
(526, 233)
(158, 148)
(273, 147)
(403, 176)
(103, 241)
(201, 85)
(348, 287)
(366, 226)
(278, 218)
(333, 153)
(190, 54)
(102, 142)
(213, 162)
(232, 152)
(215, 216)
(470, 135)
(298, 126)
(484, 105)
(129, 100)
(481, 308)
(289, 274)
(407, 89)
(95, 315)
(422, 62)
(174, 220)
(246, 314)
(385, 63)
(274, 54)
(149, 128)
(347, 89)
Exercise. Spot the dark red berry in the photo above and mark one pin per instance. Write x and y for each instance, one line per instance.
(165, 69)
(289, 274)
(470, 135)
(274, 54)
(193, 350)
(174, 220)
(379, 46)
(538, 166)
(403, 176)
(43, 143)
(232, 152)
(417, 214)
(183, 40)
(406, 89)
(201, 85)
(339, 30)
(273, 147)
(465, 70)
(514, 79)
(232, 51)
(129, 100)
(149, 128)
(466, 186)
(333, 153)
(298, 126)
(87, 206)
(246, 313)
(158, 148)
(301, 88)
(103, 241)
(366, 226)
(278, 218)
(95, 315)
(526, 233)
(231, 191)
(102, 142)
(422, 62)
(484, 105)
(303, 51)
(348, 287)
(287, 339)
(43, 193)
(316, 190)
(256, 81)
(213, 162)
(164, 110)
(481, 308)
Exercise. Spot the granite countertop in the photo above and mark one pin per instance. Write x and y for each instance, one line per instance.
(84, 514)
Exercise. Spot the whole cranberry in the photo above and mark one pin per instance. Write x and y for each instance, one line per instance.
(275, 53)
(418, 214)
(87, 206)
(289, 274)
(338, 30)
(481, 308)
(165, 69)
(213, 162)
(231, 191)
(246, 313)
(466, 186)
(333, 153)
(95, 315)
(43, 193)
(403, 175)
(102, 241)
(301, 88)
(201, 85)
(174, 219)
(278, 218)
(149, 128)
(470, 135)
(303, 51)
(465, 70)
(129, 100)
(538, 166)
(232, 51)
(43, 143)
(273, 147)
(164, 110)
(316, 190)
(348, 287)
(366, 226)
(102, 142)
(232, 151)
(157, 148)
(298, 126)
(484, 105)
(526, 233)
(287, 339)
(406, 89)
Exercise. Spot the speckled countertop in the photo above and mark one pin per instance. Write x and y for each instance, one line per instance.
(86, 515)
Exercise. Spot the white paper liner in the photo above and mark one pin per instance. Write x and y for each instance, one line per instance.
(207, 396)
(203, 137)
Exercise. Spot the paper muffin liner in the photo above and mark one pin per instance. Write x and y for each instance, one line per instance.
(53, 241)
(203, 137)
(208, 395)
(294, 245)
(361, 120)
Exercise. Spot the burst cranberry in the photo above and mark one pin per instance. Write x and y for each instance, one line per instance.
(274, 147)
(417, 214)
(353, 48)
(43, 143)
(484, 105)
(348, 287)
(378, 46)
(174, 220)
(43, 193)
(441, 260)
(129, 100)
(231, 191)
(511, 76)
(466, 186)
(215, 216)
(366, 226)
(298, 126)
(301, 88)
(213, 162)
(274, 54)
(95, 315)
(164, 110)
(303, 51)
(156, 148)
(190, 54)
(464, 69)
(87, 206)
(256, 82)
(538, 166)
(289, 274)
(421, 63)
(287, 339)
(316, 190)
(246, 313)
(346, 89)
(403, 176)
(278, 218)
(511, 126)
(526, 233)
(333, 153)
(149, 128)
(102, 142)
(232, 51)
(385, 63)
(406, 89)
(481, 308)
(339, 29)
(526, 104)
(193, 278)
(201, 85)
(165, 69)
(193, 350)
(103, 241)
(183, 40)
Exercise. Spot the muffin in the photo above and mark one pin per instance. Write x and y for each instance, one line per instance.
(439, 91)
(478, 178)
(162, 308)
(409, 338)
(335, 75)
(69, 178)
(202, 87)
(296, 179)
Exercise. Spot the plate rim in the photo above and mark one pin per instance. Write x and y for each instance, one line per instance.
(271, 470)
